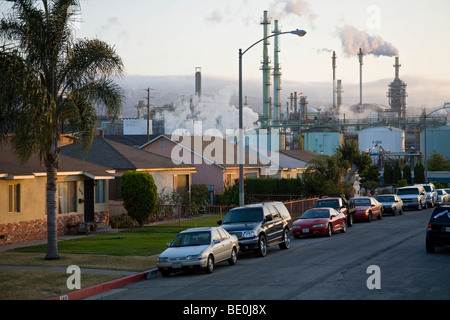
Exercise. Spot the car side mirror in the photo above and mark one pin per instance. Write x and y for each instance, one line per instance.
(219, 222)
(168, 244)
(342, 207)
(269, 218)
(216, 241)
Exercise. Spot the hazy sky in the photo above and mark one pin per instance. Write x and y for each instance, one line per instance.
(171, 38)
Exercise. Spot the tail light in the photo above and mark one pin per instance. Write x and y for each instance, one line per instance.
(429, 226)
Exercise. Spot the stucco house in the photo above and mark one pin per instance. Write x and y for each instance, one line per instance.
(168, 176)
(214, 159)
(82, 195)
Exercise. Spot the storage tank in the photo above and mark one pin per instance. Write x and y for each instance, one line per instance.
(388, 138)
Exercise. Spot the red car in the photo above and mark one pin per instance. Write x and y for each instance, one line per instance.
(367, 208)
(319, 221)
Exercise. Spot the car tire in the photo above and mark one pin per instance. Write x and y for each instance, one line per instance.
(369, 217)
(380, 216)
(233, 259)
(429, 246)
(286, 244)
(344, 227)
(350, 220)
(330, 230)
(165, 273)
(210, 264)
(262, 246)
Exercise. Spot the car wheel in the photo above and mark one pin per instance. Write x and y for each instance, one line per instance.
(330, 230)
(233, 259)
(350, 220)
(262, 246)
(165, 273)
(429, 246)
(210, 264)
(344, 227)
(401, 211)
(380, 216)
(369, 217)
(286, 244)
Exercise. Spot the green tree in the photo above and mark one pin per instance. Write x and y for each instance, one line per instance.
(139, 194)
(370, 178)
(352, 159)
(388, 174)
(419, 173)
(397, 172)
(437, 162)
(407, 174)
(50, 81)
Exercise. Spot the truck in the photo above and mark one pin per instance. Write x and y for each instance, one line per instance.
(339, 203)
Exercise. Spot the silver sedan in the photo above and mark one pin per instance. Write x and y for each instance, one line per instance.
(198, 248)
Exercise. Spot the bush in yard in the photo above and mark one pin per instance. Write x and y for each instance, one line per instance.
(139, 195)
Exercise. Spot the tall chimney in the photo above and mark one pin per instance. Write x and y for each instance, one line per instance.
(333, 65)
(266, 75)
(360, 54)
(397, 68)
(276, 77)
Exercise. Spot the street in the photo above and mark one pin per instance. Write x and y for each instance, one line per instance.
(384, 259)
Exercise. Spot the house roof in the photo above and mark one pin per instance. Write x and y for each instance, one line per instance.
(10, 167)
(120, 156)
(303, 155)
(213, 150)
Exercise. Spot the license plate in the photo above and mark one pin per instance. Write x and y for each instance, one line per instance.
(305, 230)
(447, 229)
(176, 265)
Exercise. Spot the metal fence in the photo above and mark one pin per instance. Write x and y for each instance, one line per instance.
(190, 216)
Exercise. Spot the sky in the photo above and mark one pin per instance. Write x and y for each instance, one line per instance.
(162, 42)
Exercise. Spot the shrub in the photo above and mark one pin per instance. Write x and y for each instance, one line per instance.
(122, 221)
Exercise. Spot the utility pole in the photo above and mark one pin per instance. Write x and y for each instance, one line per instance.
(148, 112)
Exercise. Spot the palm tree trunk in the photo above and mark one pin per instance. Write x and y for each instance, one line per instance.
(350, 174)
(52, 164)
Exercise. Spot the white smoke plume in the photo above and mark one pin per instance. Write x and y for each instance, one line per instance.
(353, 39)
(297, 7)
(214, 112)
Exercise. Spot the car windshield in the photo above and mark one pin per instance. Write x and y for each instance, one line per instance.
(362, 202)
(186, 239)
(427, 188)
(313, 214)
(439, 192)
(327, 204)
(386, 198)
(408, 191)
(244, 215)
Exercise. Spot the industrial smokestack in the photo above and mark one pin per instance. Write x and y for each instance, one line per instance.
(360, 54)
(333, 65)
(276, 77)
(266, 75)
(339, 95)
(397, 68)
(198, 81)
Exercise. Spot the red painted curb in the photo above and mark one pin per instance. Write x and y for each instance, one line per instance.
(93, 290)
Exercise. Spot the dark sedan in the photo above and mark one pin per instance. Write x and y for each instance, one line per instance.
(438, 228)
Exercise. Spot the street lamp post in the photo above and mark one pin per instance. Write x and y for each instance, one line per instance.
(241, 156)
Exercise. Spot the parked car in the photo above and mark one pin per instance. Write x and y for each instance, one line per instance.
(430, 190)
(319, 221)
(367, 208)
(198, 248)
(413, 196)
(258, 226)
(442, 196)
(438, 228)
(391, 203)
(339, 203)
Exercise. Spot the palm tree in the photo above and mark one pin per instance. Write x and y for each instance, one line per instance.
(48, 82)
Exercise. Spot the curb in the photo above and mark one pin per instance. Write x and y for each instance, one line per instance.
(103, 287)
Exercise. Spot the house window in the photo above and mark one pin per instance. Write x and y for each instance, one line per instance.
(100, 191)
(163, 144)
(67, 197)
(14, 197)
(181, 184)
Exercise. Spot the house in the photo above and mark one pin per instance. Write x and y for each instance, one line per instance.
(214, 158)
(82, 195)
(168, 177)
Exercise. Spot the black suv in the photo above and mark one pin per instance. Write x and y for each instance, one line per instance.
(258, 226)
(438, 229)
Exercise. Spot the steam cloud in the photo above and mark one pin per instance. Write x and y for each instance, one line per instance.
(214, 112)
(353, 39)
(297, 7)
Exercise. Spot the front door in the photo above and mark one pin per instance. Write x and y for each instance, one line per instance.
(88, 200)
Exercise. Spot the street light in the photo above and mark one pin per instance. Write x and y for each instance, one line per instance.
(297, 32)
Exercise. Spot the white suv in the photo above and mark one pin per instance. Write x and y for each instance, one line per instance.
(432, 196)
(414, 196)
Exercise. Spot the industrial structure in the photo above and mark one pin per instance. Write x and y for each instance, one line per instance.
(397, 93)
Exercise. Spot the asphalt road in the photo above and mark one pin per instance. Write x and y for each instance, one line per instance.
(382, 260)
